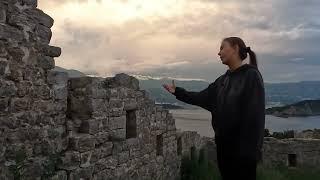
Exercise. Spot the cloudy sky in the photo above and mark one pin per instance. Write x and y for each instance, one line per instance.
(181, 38)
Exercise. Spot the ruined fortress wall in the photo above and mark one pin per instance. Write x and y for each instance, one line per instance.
(32, 101)
(53, 127)
(187, 140)
(116, 131)
(56, 127)
(292, 152)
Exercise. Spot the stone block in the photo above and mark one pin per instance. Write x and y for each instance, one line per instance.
(117, 135)
(130, 105)
(60, 175)
(89, 158)
(101, 137)
(123, 157)
(80, 107)
(109, 162)
(123, 80)
(51, 51)
(82, 142)
(2, 13)
(31, 3)
(20, 104)
(83, 82)
(91, 126)
(70, 160)
(9, 32)
(46, 62)
(39, 16)
(115, 103)
(81, 173)
(99, 105)
(4, 104)
(43, 34)
(7, 89)
(4, 67)
(57, 78)
(24, 88)
(117, 122)
(106, 149)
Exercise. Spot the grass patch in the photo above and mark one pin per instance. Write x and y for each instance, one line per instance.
(197, 167)
(285, 173)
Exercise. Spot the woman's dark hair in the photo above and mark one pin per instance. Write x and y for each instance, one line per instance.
(243, 49)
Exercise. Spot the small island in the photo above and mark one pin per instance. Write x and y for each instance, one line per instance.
(299, 109)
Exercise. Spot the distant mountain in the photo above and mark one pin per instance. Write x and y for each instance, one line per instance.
(303, 108)
(277, 94)
(159, 94)
(71, 72)
(288, 93)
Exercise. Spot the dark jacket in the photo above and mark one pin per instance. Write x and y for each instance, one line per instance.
(236, 101)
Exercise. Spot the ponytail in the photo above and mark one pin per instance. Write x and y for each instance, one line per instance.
(243, 50)
(253, 57)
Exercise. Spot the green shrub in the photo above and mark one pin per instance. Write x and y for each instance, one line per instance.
(18, 167)
(283, 135)
(21, 162)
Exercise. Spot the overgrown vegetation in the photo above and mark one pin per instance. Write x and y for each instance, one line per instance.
(18, 167)
(279, 135)
(283, 135)
(197, 167)
(282, 172)
(49, 165)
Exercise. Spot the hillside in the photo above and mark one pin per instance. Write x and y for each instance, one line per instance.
(71, 72)
(277, 94)
(303, 108)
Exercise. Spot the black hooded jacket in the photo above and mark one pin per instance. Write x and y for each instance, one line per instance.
(236, 101)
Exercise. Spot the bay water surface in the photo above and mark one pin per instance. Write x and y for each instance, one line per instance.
(200, 120)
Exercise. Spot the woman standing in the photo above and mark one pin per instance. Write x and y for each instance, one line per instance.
(236, 101)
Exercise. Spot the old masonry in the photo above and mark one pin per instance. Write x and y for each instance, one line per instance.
(56, 127)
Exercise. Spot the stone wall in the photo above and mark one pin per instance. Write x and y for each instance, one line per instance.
(186, 140)
(308, 134)
(56, 127)
(32, 100)
(292, 152)
(116, 131)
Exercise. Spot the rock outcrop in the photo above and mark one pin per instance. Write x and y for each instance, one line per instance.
(303, 108)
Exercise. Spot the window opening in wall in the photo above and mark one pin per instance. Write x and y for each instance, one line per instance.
(179, 146)
(159, 145)
(292, 160)
(131, 124)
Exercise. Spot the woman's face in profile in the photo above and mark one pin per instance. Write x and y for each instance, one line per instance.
(226, 52)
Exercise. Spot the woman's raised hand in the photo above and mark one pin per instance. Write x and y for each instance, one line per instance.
(171, 88)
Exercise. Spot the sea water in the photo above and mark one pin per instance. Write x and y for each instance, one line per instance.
(200, 120)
